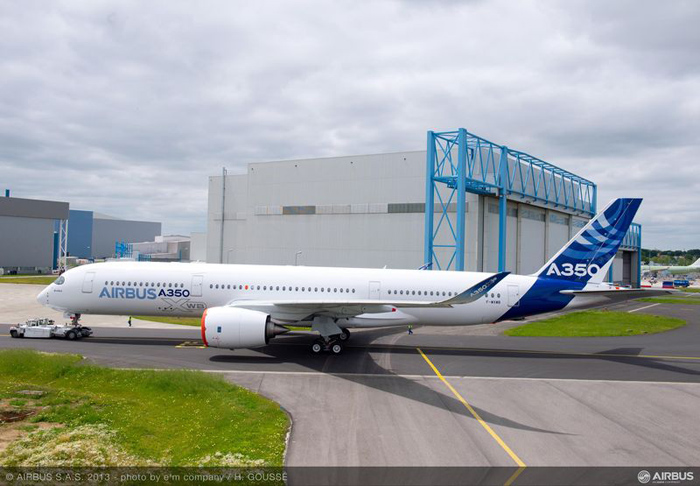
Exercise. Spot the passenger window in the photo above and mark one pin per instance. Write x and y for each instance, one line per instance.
(321, 289)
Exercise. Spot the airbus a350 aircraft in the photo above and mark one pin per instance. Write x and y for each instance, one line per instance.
(244, 306)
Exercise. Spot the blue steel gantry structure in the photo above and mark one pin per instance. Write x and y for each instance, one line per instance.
(459, 162)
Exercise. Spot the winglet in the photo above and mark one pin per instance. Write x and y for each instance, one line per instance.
(475, 292)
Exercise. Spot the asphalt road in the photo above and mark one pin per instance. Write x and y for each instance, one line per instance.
(501, 401)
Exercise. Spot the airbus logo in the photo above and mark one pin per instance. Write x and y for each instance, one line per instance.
(141, 293)
(645, 476)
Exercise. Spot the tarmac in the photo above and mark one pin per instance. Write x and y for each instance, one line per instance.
(443, 396)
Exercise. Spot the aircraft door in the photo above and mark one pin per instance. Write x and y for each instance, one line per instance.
(87, 282)
(513, 295)
(375, 290)
(197, 281)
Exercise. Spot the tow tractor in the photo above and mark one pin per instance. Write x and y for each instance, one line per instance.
(47, 328)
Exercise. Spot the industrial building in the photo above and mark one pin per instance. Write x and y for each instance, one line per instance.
(402, 210)
(171, 248)
(94, 235)
(31, 232)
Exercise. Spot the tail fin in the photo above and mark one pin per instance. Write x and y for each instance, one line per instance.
(697, 263)
(589, 254)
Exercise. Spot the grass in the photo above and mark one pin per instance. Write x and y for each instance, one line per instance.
(692, 291)
(140, 417)
(184, 321)
(596, 323)
(35, 280)
(672, 300)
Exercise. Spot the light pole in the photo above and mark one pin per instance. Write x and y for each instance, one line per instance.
(296, 258)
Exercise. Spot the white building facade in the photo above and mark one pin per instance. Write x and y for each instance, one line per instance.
(366, 211)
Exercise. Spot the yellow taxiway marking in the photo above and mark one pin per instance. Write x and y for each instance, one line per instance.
(514, 476)
(557, 353)
(474, 413)
(191, 344)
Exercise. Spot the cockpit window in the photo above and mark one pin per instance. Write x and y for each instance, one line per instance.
(59, 280)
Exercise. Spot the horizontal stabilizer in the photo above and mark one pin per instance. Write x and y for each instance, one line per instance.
(622, 293)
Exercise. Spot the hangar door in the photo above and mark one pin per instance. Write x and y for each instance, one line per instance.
(627, 267)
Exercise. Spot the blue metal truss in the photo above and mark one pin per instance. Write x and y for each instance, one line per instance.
(463, 162)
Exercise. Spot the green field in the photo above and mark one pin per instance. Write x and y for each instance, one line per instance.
(672, 300)
(96, 416)
(35, 280)
(596, 323)
(692, 291)
(184, 321)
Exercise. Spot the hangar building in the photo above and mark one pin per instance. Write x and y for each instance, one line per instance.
(27, 233)
(94, 235)
(370, 211)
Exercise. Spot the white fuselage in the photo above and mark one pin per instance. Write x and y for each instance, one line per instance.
(187, 289)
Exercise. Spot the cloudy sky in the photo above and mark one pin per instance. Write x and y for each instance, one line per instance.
(127, 107)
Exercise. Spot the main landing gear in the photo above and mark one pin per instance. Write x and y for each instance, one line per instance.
(330, 343)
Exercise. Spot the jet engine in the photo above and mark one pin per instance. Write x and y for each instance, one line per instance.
(231, 327)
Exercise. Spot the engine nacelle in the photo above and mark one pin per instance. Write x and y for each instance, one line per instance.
(231, 327)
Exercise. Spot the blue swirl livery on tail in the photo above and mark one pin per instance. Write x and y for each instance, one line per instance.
(589, 254)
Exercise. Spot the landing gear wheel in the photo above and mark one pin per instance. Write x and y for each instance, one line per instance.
(336, 348)
(71, 335)
(316, 347)
(345, 335)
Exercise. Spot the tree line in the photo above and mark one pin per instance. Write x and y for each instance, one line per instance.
(670, 257)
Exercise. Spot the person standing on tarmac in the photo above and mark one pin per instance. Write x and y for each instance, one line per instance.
(129, 321)
(410, 329)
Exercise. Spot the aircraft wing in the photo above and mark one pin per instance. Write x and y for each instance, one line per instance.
(303, 309)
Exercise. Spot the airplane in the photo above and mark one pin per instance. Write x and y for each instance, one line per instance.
(245, 306)
(673, 269)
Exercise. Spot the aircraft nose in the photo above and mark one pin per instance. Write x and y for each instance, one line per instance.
(43, 297)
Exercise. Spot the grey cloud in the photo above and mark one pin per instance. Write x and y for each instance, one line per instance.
(127, 107)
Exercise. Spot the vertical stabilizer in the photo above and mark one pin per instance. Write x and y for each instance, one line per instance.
(589, 254)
